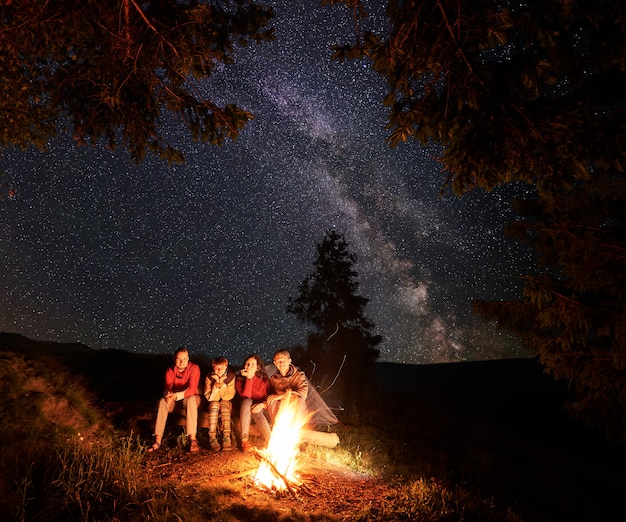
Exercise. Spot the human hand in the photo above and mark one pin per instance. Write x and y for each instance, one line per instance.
(259, 407)
(273, 398)
(218, 380)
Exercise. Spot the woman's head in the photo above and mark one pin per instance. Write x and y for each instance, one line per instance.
(254, 365)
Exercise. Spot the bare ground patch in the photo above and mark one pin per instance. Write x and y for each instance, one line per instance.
(332, 492)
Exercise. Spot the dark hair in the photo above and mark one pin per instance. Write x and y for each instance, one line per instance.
(260, 365)
(180, 350)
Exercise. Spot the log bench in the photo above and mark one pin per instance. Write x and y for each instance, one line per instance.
(318, 438)
(142, 413)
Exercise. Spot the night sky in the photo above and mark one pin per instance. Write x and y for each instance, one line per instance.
(99, 251)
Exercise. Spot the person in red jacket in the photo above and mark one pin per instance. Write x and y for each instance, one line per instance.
(181, 384)
(252, 386)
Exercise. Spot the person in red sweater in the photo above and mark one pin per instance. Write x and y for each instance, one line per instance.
(253, 386)
(181, 384)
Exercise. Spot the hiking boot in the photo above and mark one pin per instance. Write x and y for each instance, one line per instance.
(246, 447)
(226, 444)
(215, 446)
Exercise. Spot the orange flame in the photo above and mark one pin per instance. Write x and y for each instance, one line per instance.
(283, 447)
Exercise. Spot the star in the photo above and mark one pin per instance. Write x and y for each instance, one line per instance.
(205, 254)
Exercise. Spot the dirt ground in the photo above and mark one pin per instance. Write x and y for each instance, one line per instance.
(327, 491)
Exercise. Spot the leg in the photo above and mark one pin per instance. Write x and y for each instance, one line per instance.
(164, 408)
(191, 415)
(244, 417)
(272, 409)
(258, 414)
(225, 409)
(191, 420)
(274, 406)
(214, 410)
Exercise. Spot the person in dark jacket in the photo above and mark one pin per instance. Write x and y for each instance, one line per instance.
(286, 380)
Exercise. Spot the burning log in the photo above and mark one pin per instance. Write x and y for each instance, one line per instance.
(277, 470)
(278, 467)
(289, 484)
(320, 438)
(292, 486)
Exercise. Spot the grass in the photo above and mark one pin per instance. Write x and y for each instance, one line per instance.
(420, 482)
(360, 450)
(447, 453)
(75, 481)
(106, 482)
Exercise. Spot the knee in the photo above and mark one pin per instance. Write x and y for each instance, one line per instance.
(258, 408)
(164, 405)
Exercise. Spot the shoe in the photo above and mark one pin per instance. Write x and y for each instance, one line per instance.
(215, 446)
(156, 446)
(194, 446)
(246, 447)
(226, 444)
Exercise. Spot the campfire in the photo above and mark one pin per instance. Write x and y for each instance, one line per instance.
(278, 469)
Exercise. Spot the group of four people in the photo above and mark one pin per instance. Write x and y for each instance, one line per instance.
(260, 396)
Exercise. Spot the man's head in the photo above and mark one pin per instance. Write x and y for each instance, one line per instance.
(181, 358)
(220, 366)
(282, 361)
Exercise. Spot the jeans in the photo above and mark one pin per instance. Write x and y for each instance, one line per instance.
(250, 411)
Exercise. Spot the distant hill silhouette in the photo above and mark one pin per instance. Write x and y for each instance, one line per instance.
(504, 420)
(113, 375)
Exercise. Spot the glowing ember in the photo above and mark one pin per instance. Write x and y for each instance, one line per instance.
(279, 460)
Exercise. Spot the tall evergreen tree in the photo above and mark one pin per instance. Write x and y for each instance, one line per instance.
(573, 311)
(328, 296)
(111, 70)
(533, 92)
(343, 342)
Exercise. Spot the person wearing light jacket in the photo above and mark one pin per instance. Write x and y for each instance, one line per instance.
(181, 384)
(219, 390)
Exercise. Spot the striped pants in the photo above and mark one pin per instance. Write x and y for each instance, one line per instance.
(219, 410)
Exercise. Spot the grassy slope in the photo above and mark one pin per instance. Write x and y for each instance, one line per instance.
(504, 421)
(496, 425)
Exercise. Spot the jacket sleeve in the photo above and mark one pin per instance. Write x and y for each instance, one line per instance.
(208, 385)
(301, 384)
(168, 384)
(194, 381)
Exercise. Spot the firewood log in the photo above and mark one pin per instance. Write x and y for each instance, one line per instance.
(320, 438)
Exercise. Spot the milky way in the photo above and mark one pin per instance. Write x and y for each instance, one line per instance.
(205, 254)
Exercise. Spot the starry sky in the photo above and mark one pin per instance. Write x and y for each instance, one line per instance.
(206, 254)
